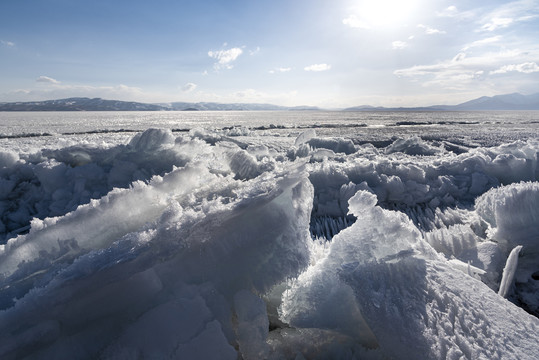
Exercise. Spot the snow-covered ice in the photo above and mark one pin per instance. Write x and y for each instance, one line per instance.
(269, 242)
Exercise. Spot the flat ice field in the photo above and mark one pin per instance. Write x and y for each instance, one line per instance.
(269, 235)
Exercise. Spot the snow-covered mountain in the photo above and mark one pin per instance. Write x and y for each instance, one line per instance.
(513, 101)
(98, 104)
(79, 104)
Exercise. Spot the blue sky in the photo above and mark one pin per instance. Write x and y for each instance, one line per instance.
(330, 53)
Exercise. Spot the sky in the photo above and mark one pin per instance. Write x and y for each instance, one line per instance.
(327, 53)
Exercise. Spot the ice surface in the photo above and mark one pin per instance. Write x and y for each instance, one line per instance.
(55, 182)
(276, 243)
(512, 215)
(337, 145)
(383, 286)
(182, 268)
(413, 146)
(509, 272)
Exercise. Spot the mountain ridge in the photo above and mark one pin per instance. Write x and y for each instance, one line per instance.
(513, 101)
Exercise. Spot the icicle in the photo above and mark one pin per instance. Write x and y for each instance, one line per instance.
(509, 271)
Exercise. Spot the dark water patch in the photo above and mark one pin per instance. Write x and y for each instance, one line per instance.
(309, 126)
(26, 135)
(379, 144)
(335, 126)
(101, 131)
(426, 123)
(270, 127)
(412, 123)
(458, 123)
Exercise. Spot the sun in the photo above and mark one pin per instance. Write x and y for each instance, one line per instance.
(384, 13)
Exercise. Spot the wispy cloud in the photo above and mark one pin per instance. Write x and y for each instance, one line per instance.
(248, 95)
(453, 12)
(7, 43)
(429, 30)
(189, 87)
(398, 45)
(461, 70)
(257, 96)
(317, 67)
(482, 42)
(450, 11)
(60, 90)
(280, 70)
(509, 14)
(255, 51)
(496, 23)
(225, 58)
(46, 79)
(355, 22)
(526, 68)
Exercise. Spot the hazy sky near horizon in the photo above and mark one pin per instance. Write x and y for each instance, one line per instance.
(329, 53)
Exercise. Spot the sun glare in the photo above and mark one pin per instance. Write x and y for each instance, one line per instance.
(385, 13)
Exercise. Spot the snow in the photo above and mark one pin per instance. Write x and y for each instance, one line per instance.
(276, 243)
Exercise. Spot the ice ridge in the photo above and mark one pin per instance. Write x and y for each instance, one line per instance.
(226, 244)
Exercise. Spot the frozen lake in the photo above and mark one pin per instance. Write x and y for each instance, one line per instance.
(472, 128)
(269, 235)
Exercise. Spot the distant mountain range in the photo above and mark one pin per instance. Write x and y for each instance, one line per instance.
(98, 104)
(513, 101)
(79, 104)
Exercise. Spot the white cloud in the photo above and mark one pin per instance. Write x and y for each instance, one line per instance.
(429, 30)
(482, 42)
(280, 70)
(59, 90)
(225, 57)
(248, 95)
(496, 23)
(317, 67)
(526, 68)
(7, 43)
(354, 22)
(450, 11)
(509, 14)
(459, 57)
(397, 45)
(46, 79)
(257, 96)
(460, 71)
(255, 51)
(453, 12)
(189, 87)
